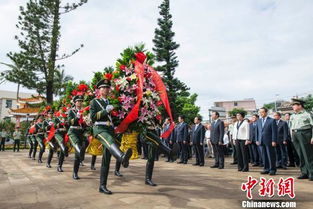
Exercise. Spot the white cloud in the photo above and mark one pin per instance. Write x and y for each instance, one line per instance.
(229, 49)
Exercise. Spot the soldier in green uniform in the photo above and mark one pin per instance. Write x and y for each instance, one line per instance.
(17, 135)
(60, 125)
(29, 137)
(151, 138)
(103, 130)
(52, 143)
(76, 132)
(40, 136)
(302, 128)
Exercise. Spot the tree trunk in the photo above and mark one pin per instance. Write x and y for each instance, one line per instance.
(18, 91)
(49, 92)
(53, 52)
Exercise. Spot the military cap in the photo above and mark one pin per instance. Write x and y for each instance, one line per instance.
(78, 98)
(103, 83)
(297, 102)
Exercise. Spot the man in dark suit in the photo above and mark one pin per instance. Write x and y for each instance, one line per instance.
(217, 135)
(266, 136)
(256, 150)
(292, 153)
(182, 138)
(197, 138)
(282, 135)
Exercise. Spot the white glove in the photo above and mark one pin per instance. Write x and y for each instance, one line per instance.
(78, 114)
(109, 108)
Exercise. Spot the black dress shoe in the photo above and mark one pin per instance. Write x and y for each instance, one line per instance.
(221, 167)
(48, 166)
(201, 164)
(39, 161)
(264, 172)
(214, 166)
(59, 169)
(303, 176)
(239, 169)
(255, 165)
(92, 168)
(33, 158)
(245, 170)
(272, 173)
(150, 182)
(103, 189)
(234, 163)
(185, 163)
(117, 173)
(75, 176)
(180, 162)
(195, 164)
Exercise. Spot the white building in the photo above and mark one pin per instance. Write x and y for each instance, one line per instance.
(8, 100)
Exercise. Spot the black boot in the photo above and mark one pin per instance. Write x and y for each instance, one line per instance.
(117, 169)
(120, 156)
(149, 171)
(75, 169)
(61, 159)
(103, 179)
(40, 156)
(93, 162)
(49, 158)
(103, 189)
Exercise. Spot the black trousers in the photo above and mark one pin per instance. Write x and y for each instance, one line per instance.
(282, 155)
(2, 145)
(256, 157)
(199, 154)
(292, 154)
(169, 157)
(219, 155)
(183, 151)
(16, 145)
(269, 158)
(35, 145)
(242, 155)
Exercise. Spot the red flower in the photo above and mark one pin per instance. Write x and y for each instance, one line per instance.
(108, 76)
(117, 87)
(159, 103)
(114, 113)
(82, 87)
(140, 57)
(74, 92)
(128, 79)
(64, 109)
(122, 67)
(158, 117)
(120, 99)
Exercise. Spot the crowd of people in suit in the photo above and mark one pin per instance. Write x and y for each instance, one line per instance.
(259, 141)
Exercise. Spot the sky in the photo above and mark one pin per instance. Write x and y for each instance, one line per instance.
(229, 50)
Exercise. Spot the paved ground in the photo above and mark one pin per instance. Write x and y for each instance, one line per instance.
(26, 184)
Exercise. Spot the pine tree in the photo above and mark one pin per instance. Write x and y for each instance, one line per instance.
(39, 25)
(164, 49)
